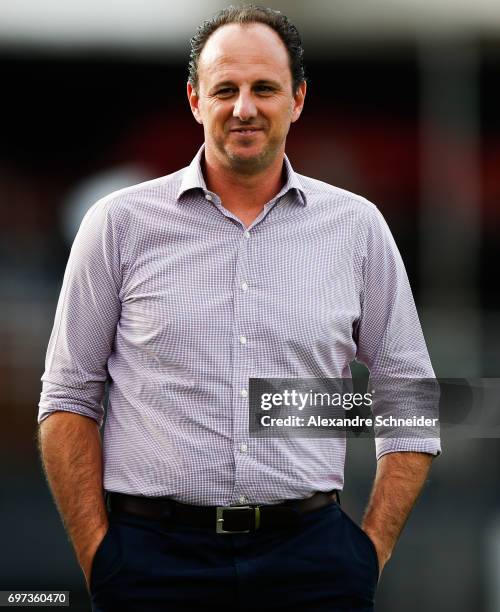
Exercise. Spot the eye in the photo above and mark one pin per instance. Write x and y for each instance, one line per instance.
(264, 89)
(224, 92)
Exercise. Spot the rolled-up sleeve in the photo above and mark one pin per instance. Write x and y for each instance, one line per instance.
(85, 321)
(390, 341)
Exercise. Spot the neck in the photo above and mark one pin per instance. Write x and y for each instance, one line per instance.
(249, 191)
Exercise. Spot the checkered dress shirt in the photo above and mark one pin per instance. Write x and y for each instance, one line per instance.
(172, 300)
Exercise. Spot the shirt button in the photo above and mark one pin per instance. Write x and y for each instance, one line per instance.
(247, 234)
(244, 393)
(242, 499)
(208, 197)
(243, 448)
(244, 286)
(243, 340)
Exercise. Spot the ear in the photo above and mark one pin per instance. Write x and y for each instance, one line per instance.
(194, 101)
(299, 97)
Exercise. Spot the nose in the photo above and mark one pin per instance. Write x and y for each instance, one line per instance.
(244, 107)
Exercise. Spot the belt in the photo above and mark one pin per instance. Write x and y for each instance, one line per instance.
(223, 519)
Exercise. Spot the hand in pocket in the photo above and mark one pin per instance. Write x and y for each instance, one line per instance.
(87, 558)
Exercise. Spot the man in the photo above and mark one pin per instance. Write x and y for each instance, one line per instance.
(180, 290)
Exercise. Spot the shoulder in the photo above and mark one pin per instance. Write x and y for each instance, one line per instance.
(138, 201)
(327, 197)
(164, 187)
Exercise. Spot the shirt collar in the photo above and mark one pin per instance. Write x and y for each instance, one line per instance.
(193, 178)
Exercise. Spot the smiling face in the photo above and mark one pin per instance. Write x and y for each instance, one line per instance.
(244, 97)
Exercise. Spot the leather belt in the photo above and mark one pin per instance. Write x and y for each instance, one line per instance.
(223, 519)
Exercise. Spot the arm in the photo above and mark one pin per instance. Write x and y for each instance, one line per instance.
(70, 447)
(71, 408)
(399, 479)
(391, 344)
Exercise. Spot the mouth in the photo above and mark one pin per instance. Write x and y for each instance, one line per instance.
(246, 131)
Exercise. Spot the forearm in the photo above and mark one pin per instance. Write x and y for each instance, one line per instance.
(399, 479)
(71, 451)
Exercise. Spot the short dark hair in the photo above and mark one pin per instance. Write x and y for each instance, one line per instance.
(250, 13)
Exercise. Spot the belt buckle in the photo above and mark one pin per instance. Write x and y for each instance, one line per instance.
(220, 517)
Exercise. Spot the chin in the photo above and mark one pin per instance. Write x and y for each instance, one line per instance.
(245, 152)
(247, 155)
(248, 164)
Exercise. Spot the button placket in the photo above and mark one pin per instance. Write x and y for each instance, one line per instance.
(241, 368)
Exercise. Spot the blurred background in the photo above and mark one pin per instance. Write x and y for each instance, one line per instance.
(403, 107)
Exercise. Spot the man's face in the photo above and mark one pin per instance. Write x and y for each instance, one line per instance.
(245, 99)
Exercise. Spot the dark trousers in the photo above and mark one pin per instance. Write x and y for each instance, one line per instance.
(327, 563)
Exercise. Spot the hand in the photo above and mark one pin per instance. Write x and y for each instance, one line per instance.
(383, 554)
(86, 557)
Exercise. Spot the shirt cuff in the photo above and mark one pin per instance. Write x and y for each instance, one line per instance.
(44, 412)
(415, 445)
